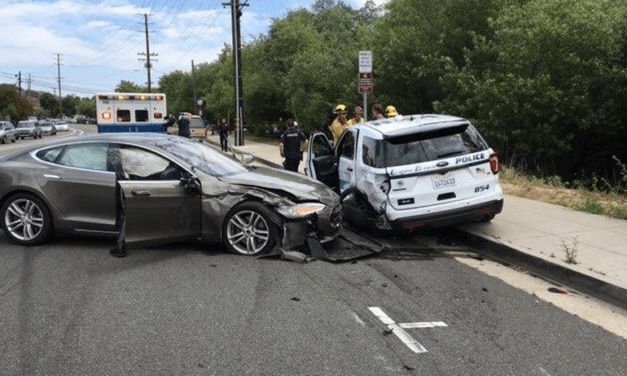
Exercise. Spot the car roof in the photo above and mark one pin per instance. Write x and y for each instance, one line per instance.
(402, 125)
(139, 138)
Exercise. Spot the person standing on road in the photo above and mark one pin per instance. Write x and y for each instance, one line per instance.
(291, 146)
(377, 111)
(223, 131)
(358, 117)
(340, 124)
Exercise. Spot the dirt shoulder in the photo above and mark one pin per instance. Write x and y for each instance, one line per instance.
(612, 205)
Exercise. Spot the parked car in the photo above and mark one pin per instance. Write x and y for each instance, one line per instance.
(410, 172)
(28, 128)
(47, 128)
(197, 127)
(61, 126)
(7, 132)
(157, 188)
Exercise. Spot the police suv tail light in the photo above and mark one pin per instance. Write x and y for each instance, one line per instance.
(494, 163)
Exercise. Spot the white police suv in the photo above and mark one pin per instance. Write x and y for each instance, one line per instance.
(410, 172)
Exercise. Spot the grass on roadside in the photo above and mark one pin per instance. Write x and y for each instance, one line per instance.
(553, 191)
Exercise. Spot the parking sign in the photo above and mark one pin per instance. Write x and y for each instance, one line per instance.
(365, 61)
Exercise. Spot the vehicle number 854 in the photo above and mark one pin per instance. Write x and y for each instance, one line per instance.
(482, 188)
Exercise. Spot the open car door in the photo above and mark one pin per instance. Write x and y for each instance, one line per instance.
(321, 160)
(158, 206)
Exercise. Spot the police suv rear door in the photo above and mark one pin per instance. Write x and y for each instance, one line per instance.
(445, 165)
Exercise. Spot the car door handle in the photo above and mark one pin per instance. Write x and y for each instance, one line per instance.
(50, 176)
(140, 193)
(350, 169)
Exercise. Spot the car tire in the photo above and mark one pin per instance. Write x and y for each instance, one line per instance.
(249, 230)
(5, 140)
(356, 208)
(26, 219)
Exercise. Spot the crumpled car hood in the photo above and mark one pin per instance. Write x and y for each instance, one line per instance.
(291, 185)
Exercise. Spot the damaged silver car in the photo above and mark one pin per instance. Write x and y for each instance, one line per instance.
(150, 189)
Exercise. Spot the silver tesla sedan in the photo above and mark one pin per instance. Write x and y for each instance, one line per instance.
(148, 189)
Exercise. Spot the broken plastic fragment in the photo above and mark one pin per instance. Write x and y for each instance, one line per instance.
(556, 290)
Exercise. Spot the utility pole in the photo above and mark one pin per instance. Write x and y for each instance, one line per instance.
(19, 81)
(236, 11)
(59, 77)
(194, 86)
(148, 64)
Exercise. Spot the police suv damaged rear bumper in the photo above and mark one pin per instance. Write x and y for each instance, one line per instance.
(469, 213)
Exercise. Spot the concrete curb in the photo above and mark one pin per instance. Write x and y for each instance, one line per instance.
(601, 290)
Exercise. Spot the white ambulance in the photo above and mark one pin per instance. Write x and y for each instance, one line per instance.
(131, 112)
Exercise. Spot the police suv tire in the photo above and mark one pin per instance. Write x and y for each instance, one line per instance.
(26, 219)
(249, 230)
(356, 208)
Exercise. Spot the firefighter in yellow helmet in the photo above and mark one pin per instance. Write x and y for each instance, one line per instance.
(340, 124)
(390, 112)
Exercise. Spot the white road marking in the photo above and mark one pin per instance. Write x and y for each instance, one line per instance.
(419, 325)
(543, 371)
(359, 320)
(399, 329)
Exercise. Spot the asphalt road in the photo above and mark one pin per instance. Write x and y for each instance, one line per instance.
(69, 308)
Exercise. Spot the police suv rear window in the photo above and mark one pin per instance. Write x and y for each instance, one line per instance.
(427, 146)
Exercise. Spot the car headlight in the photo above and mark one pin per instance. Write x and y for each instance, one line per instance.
(301, 210)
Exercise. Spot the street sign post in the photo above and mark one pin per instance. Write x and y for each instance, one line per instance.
(365, 81)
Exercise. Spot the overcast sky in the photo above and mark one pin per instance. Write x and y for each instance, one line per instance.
(98, 42)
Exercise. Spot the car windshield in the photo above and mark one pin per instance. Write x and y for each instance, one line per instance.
(203, 157)
(422, 147)
(196, 123)
(22, 125)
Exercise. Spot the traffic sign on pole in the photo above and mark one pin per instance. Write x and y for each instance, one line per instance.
(365, 61)
(366, 83)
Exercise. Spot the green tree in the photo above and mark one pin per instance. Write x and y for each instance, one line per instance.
(13, 105)
(69, 104)
(130, 87)
(86, 107)
(546, 85)
(50, 104)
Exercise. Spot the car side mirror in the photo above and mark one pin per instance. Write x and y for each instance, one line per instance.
(190, 182)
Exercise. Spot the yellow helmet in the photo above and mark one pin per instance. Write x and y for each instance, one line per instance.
(340, 107)
(390, 111)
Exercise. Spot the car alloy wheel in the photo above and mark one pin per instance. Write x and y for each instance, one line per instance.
(248, 229)
(26, 219)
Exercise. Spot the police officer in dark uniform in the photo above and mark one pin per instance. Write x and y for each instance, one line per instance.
(183, 122)
(290, 146)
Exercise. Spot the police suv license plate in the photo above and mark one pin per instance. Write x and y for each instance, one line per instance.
(443, 181)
